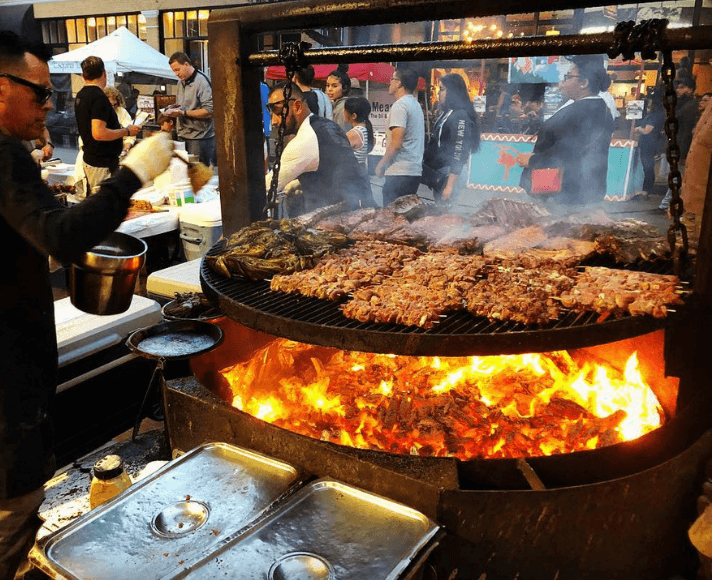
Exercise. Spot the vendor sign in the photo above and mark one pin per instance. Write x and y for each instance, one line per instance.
(381, 103)
(634, 109)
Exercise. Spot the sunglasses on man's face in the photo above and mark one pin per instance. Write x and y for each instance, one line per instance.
(42, 94)
(276, 107)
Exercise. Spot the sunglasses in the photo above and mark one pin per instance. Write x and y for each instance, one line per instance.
(277, 106)
(568, 76)
(42, 94)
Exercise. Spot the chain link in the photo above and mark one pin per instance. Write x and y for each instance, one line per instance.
(677, 232)
(291, 55)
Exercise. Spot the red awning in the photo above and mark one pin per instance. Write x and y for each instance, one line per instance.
(378, 72)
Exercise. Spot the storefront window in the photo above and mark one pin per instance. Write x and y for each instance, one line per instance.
(71, 31)
(91, 29)
(81, 30)
(203, 22)
(186, 32)
(192, 23)
(179, 21)
(133, 24)
(168, 31)
(101, 27)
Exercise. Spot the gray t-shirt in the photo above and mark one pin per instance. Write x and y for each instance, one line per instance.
(406, 112)
(195, 93)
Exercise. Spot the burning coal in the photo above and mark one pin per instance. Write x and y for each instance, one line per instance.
(466, 407)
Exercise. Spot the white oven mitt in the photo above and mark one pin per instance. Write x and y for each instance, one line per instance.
(150, 157)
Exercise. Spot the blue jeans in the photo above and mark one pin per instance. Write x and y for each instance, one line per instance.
(204, 149)
(396, 186)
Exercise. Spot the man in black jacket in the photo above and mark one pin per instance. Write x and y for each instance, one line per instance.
(34, 225)
(687, 113)
(319, 156)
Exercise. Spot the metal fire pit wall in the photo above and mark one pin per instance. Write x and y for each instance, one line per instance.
(601, 513)
(627, 528)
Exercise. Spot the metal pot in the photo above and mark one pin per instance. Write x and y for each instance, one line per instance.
(103, 281)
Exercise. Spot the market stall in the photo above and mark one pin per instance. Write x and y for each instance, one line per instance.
(494, 167)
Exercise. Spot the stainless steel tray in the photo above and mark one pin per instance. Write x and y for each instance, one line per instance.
(177, 515)
(325, 531)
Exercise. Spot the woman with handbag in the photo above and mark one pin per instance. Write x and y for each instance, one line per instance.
(570, 157)
(455, 136)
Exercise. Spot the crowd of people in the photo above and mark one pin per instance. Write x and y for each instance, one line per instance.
(569, 163)
(571, 147)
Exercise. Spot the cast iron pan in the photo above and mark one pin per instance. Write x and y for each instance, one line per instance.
(175, 339)
(170, 340)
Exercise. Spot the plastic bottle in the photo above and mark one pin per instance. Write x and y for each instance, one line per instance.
(109, 480)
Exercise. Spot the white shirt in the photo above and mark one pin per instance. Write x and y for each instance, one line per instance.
(300, 155)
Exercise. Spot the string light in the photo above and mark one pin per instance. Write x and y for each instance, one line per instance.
(478, 31)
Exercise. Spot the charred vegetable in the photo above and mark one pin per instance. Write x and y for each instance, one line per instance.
(271, 247)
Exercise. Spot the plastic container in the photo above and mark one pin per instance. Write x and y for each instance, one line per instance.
(200, 228)
(109, 480)
(181, 194)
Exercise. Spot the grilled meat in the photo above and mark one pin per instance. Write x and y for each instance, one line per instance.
(411, 207)
(510, 212)
(613, 292)
(336, 275)
(382, 226)
(266, 248)
(345, 222)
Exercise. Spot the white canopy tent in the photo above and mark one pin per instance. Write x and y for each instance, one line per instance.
(122, 52)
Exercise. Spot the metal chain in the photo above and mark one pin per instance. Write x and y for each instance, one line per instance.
(648, 37)
(291, 55)
(677, 232)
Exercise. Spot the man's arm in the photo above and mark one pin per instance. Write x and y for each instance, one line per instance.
(46, 145)
(194, 113)
(205, 98)
(395, 143)
(101, 133)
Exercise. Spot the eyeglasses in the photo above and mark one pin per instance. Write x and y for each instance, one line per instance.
(568, 76)
(394, 79)
(42, 94)
(276, 107)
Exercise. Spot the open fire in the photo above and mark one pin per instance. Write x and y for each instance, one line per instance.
(467, 407)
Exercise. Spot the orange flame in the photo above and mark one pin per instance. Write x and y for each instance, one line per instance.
(466, 407)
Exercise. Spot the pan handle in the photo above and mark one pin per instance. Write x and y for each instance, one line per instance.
(156, 378)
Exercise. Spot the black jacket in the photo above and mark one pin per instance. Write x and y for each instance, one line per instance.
(576, 139)
(339, 176)
(33, 225)
(687, 114)
(452, 139)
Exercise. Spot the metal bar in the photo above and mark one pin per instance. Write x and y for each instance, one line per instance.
(275, 16)
(680, 38)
